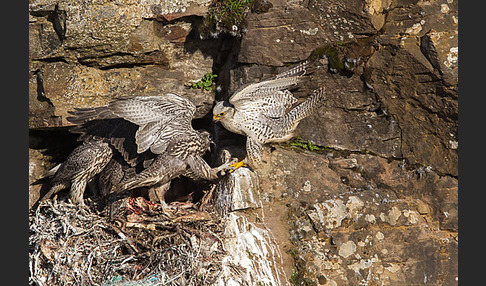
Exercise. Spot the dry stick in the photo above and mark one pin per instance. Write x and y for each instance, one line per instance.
(124, 237)
(173, 279)
(90, 258)
(207, 197)
(218, 238)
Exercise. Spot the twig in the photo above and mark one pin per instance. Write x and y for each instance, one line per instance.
(207, 198)
(124, 237)
(149, 226)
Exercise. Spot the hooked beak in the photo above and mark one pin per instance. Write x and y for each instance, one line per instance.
(211, 145)
(216, 117)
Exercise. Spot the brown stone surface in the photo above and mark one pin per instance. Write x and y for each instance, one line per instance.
(362, 219)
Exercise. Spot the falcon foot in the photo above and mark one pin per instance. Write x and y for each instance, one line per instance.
(228, 167)
(236, 166)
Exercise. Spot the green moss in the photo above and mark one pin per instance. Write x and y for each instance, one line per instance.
(300, 145)
(304, 145)
(298, 275)
(331, 51)
(233, 11)
(294, 278)
(226, 16)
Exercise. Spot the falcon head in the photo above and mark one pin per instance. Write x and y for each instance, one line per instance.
(223, 110)
(206, 140)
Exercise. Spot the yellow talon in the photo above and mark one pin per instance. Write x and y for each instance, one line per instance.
(237, 165)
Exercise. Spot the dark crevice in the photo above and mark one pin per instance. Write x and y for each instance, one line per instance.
(40, 88)
(95, 61)
(55, 142)
(52, 60)
(123, 65)
(382, 110)
(451, 117)
(58, 20)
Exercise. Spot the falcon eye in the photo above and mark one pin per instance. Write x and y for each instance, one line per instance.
(221, 114)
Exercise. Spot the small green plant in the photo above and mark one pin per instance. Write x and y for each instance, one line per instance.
(206, 82)
(225, 17)
(294, 278)
(305, 145)
(234, 10)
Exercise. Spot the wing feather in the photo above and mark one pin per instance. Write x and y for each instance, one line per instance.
(142, 110)
(136, 124)
(261, 89)
(275, 105)
(281, 81)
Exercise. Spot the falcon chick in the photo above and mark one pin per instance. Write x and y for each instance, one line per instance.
(118, 177)
(151, 133)
(265, 111)
(79, 168)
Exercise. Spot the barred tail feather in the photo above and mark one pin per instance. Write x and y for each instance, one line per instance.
(296, 71)
(307, 107)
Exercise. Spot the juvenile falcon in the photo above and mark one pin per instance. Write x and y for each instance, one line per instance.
(79, 168)
(118, 176)
(265, 111)
(138, 129)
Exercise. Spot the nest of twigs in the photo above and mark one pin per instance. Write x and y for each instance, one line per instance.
(131, 242)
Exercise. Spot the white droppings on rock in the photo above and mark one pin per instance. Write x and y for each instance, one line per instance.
(250, 250)
(236, 191)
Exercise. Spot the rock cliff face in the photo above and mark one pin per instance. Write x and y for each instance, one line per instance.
(375, 205)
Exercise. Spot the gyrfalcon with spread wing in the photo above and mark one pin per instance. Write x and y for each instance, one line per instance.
(266, 111)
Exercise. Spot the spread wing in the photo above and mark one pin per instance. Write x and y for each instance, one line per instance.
(136, 125)
(266, 88)
(274, 105)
